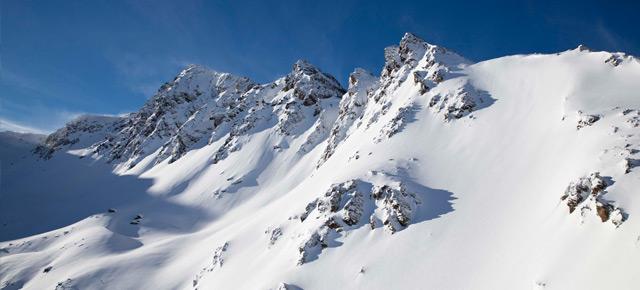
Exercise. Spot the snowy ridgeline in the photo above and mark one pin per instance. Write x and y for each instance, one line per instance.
(439, 173)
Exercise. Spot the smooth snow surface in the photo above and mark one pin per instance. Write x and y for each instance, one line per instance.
(439, 174)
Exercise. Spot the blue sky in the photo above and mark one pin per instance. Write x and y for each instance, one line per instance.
(59, 59)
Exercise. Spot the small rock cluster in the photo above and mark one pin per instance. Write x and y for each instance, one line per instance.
(616, 59)
(216, 262)
(587, 193)
(633, 117)
(459, 102)
(585, 120)
(65, 285)
(274, 234)
(136, 220)
(344, 207)
(397, 206)
(396, 124)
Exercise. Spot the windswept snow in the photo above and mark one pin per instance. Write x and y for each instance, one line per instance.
(513, 173)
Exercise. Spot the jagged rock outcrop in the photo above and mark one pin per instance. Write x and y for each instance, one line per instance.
(303, 101)
(585, 120)
(395, 125)
(274, 234)
(397, 205)
(65, 285)
(183, 112)
(580, 190)
(313, 244)
(616, 59)
(458, 99)
(199, 107)
(309, 84)
(216, 262)
(348, 205)
(81, 132)
(587, 193)
(633, 117)
(306, 92)
(436, 73)
(428, 64)
(352, 106)
(630, 163)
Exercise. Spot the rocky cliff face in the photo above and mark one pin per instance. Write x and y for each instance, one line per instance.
(80, 133)
(201, 106)
(183, 112)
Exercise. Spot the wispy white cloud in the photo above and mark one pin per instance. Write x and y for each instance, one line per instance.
(608, 36)
(7, 125)
(22, 82)
(51, 122)
(143, 74)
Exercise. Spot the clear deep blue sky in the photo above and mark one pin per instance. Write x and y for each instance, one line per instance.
(64, 58)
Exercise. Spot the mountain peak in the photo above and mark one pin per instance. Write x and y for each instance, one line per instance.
(303, 66)
(193, 68)
(412, 49)
(411, 41)
(411, 38)
(583, 47)
(310, 83)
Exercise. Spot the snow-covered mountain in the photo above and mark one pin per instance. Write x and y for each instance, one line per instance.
(512, 173)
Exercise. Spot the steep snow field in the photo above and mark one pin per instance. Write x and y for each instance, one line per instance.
(512, 173)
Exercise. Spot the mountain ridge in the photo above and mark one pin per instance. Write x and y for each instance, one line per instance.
(439, 173)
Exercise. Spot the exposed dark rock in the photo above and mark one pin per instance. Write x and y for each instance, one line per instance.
(614, 60)
(630, 163)
(91, 128)
(312, 246)
(580, 190)
(216, 262)
(310, 84)
(274, 234)
(460, 102)
(583, 47)
(585, 120)
(398, 206)
(352, 105)
(603, 211)
(308, 209)
(342, 207)
(397, 123)
(66, 285)
(420, 78)
(587, 193)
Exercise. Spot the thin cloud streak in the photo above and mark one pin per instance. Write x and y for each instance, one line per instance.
(7, 125)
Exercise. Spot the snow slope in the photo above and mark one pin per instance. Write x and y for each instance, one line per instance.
(512, 173)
